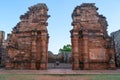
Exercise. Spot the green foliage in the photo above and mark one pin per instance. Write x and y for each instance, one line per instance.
(66, 48)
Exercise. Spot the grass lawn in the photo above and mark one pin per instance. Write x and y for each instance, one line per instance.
(60, 77)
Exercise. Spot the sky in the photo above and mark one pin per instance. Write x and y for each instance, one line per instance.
(59, 24)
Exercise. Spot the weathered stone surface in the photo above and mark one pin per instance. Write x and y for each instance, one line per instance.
(28, 42)
(51, 57)
(92, 48)
(2, 37)
(65, 57)
(3, 51)
(116, 37)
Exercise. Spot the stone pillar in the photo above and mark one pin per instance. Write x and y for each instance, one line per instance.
(85, 53)
(75, 52)
(44, 37)
(33, 52)
(112, 59)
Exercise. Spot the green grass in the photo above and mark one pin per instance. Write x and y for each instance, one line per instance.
(94, 76)
(32, 76)
(106, 77)
(16, 77)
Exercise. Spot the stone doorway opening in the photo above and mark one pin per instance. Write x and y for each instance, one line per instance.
(59, 61)
(59, 66)
(37, 65)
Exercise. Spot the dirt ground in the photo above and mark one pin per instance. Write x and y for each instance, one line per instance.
(62, 78)
(59, 71)
(48, 77)
(54, 74)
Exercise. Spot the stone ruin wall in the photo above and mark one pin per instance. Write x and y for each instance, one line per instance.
(2, 49)
(2, 37)
(28, 42)
(92, 48)
(116, 37)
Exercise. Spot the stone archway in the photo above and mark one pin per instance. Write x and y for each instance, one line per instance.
(91, 45)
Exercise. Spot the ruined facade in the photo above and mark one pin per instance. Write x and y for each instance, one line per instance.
(2, 49)
(116, 37)
(92, 48)
(2, 37)
(28, 42)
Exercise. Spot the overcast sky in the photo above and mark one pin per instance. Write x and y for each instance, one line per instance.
(60, 20)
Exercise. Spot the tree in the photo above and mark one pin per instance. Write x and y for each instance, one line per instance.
(65, 51)
(66, 48)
